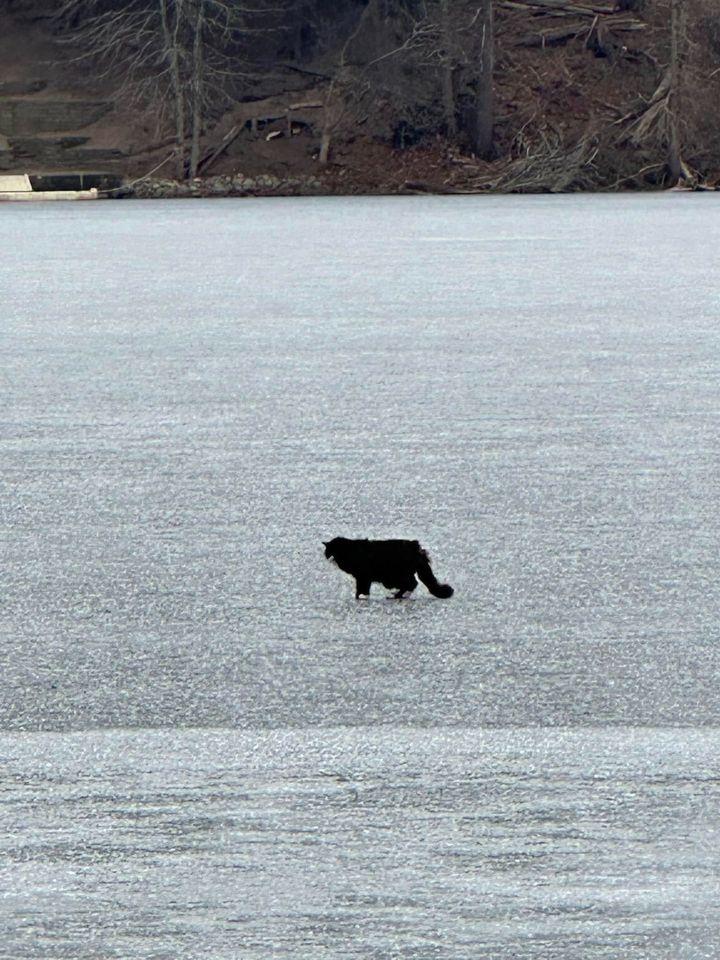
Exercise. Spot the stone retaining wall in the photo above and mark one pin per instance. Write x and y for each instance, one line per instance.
(30, 117)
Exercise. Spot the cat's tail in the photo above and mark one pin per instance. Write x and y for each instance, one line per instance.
(442, 590)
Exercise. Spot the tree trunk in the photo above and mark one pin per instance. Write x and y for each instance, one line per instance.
(170, 43)
(677, 36)
(197, 87)
(324, 155)
(447, 70)
(484, 103)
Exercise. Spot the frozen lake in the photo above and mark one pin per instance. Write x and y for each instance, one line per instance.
(208, 748)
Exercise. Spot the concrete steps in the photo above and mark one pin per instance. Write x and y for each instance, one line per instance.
(38, 131)
(63, 152)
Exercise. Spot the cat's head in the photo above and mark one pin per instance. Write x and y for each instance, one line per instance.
(329, 548)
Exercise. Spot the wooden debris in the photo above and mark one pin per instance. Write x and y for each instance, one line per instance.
(560, 7)
(551, 167)
(554, 22)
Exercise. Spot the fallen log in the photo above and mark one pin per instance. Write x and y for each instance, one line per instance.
(553, 36)
(273, 108)
(269, 108)
(209, 158)
(560, 7)
(424, 186)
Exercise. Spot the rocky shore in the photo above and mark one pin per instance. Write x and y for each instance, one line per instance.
(236, 185)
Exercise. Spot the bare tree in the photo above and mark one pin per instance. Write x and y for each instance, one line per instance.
(171, 20)
(482, 128)
(342, 92)
(179, 58)
(677, 118)
(461, 44)
(196, 85)
(448, 60)
(678, 40)
(361, 76)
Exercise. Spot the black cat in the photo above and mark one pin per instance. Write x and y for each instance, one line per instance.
(393, 563)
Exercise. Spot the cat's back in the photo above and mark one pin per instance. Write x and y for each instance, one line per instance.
(371, 551)
(380, 553)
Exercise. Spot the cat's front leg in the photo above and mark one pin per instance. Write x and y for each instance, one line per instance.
(362, 588)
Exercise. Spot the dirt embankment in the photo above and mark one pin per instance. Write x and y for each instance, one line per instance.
(570, 89)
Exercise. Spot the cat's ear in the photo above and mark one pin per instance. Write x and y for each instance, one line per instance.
(326, 544)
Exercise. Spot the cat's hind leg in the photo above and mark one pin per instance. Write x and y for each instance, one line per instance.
(405, 588)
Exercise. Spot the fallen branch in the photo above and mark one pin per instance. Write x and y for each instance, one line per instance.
(209, 158)
(551, 168)
(637, 176)
(128, 187)
(651, 122)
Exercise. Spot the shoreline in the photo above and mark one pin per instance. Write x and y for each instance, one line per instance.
(242, 186)
(270, 186)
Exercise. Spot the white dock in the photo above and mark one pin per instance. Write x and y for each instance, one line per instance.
(17, 186)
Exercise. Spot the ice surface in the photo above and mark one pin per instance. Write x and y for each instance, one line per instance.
(364, 842)
(195, 395)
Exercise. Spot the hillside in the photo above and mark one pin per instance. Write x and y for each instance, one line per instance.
(583, 95)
